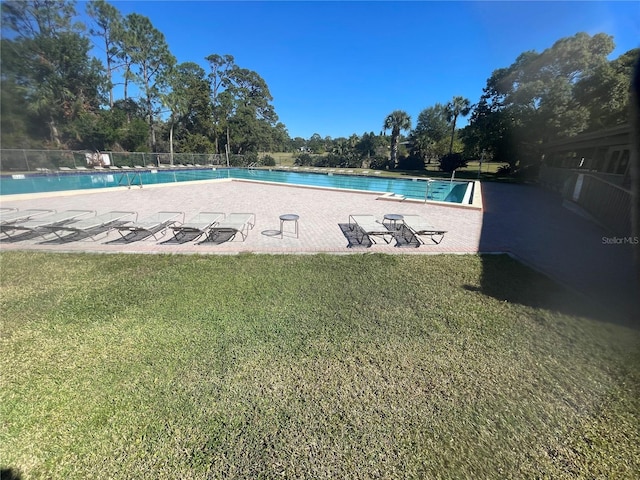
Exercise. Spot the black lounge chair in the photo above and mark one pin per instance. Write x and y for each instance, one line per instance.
(150, 226)
(369, 227)
(418, 227)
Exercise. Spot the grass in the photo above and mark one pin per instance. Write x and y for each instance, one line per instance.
(358, 366)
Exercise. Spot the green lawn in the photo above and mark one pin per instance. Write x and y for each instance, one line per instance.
(355, 366)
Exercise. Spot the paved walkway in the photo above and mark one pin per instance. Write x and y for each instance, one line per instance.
(533, 225)
(525, 221)
(323, 214)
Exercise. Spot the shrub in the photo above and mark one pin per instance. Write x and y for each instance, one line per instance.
(379, 162)
(303, 160)
(451, 162)
(412, 162)
(250, 157)
(239, 160)
(268, 161)
(504, 170)
(332, 160)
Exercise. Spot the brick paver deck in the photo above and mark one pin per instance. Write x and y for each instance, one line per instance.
(321, 214)
(527, 222)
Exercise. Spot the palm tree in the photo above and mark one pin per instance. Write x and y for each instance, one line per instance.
(396, 121)
(456, 107)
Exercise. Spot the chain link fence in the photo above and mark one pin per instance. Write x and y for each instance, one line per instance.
(19, 160)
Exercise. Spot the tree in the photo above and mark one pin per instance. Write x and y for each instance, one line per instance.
(605, 93)
(241, 99)
(188, 101)
(16, 128)
(251, 92)
(249, 99)
(45, 59)
(369, 145)
(109, 28)
(249, 134)
(279, 138)
(431, 130)
(456, 107)
(536, 100)
(219, 78)
(316, 144)
(396, 121)
(148, 51)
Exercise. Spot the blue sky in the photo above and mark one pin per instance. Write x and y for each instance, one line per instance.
(338, 68)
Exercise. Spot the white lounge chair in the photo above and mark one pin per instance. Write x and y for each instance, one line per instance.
(9, 217)
(369, 227)
(418, 227)
(197, 225)
(90, 227)
(233, 224)
(42, 226)
(152, 225)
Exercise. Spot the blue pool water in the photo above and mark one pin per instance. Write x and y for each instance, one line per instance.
(410, 188)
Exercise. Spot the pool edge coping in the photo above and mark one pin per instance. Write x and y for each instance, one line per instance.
(386, 196)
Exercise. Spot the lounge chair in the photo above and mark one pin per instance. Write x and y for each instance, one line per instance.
(418, 227)
(233, 224)
(90, 227)
(369, 227)
(9, 217)
(197, 226)
(151, 225)
(42, 226)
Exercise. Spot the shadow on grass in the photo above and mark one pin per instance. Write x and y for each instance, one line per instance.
(533, 225)
(10, 474)
(505, 278)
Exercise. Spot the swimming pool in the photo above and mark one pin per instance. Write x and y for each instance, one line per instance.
(415, 188)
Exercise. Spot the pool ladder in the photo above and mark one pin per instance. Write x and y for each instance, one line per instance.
(130, 178)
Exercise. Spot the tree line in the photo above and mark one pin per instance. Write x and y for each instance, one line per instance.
(567, 89)
(54, 94)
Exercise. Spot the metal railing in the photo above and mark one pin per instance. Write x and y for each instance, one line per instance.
(130, 178)
(608, 203)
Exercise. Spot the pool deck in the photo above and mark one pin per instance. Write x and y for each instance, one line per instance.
(526, 222)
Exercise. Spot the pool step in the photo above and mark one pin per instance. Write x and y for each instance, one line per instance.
(392, 196)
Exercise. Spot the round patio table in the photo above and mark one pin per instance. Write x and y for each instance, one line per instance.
(289, 217)
(393, 219)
